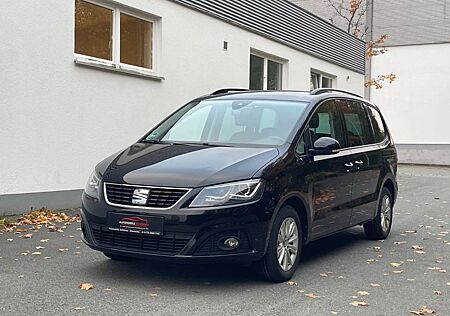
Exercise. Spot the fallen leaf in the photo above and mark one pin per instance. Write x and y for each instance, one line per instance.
(397, 271)
(9, 239)
(292, 283)
(28, 236)
(312, 295)
(107, 290)
(79, 308)
(411, 231)
(86, 286)
(363, 293)
(357, 304)
(334, 313)
(424, 310)
(399, 242)
(36, 253)
(437, 292)
(63, 249)
(20, 276)
(44, 240)
(420, 252)
(417, 247)
(374, 285)
(323, 275)
(153, 294)
(39, 247)
(300, 291)
(395, 264)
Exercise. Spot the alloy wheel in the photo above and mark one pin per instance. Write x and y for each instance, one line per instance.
(287, 244)
(386, 213)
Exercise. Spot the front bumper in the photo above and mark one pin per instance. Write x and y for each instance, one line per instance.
(189, 234)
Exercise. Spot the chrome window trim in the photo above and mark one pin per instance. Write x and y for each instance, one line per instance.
(355, 150)
(137, 186)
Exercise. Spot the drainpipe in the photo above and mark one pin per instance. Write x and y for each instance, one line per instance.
(369, 37)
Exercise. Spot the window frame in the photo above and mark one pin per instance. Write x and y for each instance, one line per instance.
(321, 75)
(267, 58)
(115, 63)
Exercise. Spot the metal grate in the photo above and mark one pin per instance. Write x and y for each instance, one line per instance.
(161, 198)
(169, 244)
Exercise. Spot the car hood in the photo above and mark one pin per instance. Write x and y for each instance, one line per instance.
(183, 165)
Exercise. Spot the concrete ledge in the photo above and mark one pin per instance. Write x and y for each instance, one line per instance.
(422, 154)
(15, 204)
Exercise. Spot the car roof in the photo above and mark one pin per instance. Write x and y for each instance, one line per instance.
(313, 97)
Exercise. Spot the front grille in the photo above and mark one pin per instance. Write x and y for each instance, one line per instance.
(157, 198)
(169, 244)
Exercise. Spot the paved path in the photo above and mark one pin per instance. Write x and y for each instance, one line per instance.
(335, 269)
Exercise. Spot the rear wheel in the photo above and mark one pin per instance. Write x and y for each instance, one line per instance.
(285, 245)
(380, 226)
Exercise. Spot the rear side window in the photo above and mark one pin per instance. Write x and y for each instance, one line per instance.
(377, 124)
(357, 126)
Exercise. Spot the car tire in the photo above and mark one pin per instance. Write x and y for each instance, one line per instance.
(380, 227)
(272, 268)
(117, 257)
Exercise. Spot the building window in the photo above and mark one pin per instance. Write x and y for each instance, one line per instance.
(109, 34)
(265, 73)
(319, 80)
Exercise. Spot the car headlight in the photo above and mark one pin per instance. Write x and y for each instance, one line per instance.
(228, 194)
(93, 186)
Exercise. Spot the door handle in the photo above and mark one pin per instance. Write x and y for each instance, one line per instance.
(350, 164)
(359, 162)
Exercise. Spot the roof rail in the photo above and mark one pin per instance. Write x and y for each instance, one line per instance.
(326, 90)
(228, 90)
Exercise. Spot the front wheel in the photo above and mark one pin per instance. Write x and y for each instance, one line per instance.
(380, 226)
(285, 245)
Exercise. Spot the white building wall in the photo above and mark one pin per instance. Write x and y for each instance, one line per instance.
(59, 119)
(416, 105)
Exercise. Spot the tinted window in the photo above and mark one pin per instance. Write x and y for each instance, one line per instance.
(377, 124)
(325, 123)
(357, 125)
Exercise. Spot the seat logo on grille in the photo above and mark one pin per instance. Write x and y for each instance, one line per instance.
(140, 196)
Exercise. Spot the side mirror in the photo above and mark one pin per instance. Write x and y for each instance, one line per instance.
(326, 146)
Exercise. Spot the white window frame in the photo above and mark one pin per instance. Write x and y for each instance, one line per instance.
(273, 58)
(115, 63)
(321, 75)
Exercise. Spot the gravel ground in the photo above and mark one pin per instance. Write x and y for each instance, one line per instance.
(390, 276)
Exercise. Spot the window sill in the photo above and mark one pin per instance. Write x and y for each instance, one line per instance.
(128, 70)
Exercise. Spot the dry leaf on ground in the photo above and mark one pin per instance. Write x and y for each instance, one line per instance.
(358, 304)
(312, 295)
(363, 293)
(86, 286)
(292, 283)
(424, 310)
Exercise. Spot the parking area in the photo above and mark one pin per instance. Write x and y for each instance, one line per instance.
(344, 274)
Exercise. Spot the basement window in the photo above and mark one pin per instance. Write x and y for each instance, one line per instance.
(109, 37)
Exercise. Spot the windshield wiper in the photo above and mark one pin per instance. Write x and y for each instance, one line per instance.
(154, 141)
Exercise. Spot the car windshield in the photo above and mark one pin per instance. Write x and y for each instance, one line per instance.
(231, 122)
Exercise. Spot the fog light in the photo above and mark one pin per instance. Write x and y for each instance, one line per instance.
(229, 243)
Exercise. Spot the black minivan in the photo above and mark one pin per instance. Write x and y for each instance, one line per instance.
(246, 176)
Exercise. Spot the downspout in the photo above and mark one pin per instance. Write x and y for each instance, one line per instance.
(369, 37)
